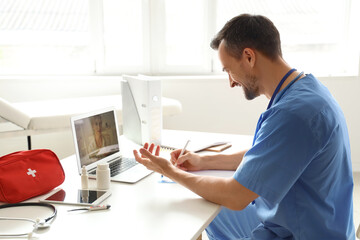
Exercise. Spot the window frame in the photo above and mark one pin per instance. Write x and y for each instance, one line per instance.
(153, 42)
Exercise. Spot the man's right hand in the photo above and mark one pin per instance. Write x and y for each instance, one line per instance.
(189, 161)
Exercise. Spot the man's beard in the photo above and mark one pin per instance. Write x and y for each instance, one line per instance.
(253, 90)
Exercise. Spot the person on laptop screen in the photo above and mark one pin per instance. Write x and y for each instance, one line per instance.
(97, 137)
(98, 140)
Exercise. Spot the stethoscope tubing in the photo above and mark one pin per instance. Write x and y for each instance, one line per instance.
(37, 223)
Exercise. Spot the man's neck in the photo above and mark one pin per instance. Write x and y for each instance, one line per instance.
(271, 74)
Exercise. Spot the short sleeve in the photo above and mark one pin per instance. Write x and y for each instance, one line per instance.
(283, 148)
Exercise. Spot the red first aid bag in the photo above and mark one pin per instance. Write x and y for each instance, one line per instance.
(27, 174)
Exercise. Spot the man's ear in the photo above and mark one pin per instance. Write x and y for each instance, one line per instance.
(250, 56)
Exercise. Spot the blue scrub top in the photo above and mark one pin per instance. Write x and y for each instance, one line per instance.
(300, 166)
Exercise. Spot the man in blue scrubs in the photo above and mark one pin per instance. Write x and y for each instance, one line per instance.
(295, 182)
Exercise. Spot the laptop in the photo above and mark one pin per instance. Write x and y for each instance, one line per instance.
(96, 141)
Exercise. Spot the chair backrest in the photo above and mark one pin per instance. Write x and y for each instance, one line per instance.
(9, 112)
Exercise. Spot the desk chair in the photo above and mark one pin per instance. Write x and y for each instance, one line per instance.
(30, 118)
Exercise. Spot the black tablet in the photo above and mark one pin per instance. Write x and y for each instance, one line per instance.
(78, 197)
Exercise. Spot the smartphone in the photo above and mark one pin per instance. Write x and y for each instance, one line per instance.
(78, 197)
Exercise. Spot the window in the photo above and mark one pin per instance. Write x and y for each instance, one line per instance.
(181, 43)
(126, 47)
(167, 36)
(317, 36)
(45, 37)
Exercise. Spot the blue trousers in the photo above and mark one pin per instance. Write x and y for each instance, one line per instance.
(229, 224)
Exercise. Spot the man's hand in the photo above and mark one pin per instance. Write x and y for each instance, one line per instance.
(151, 161)
(151, 147)
(189, 161)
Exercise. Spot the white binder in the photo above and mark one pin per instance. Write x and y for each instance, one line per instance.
(142, 109)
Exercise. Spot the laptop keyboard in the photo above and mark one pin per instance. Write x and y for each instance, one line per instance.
(120, 165)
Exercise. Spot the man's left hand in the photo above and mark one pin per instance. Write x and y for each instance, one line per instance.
(152, 161)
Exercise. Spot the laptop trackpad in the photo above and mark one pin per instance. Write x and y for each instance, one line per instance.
(133, 174)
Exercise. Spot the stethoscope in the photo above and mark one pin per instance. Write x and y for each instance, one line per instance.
(38, 224)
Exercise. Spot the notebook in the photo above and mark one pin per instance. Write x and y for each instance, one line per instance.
(96, 141)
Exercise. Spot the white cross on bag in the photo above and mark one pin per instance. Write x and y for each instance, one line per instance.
(31, 172)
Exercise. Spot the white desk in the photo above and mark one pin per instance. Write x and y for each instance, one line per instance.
(145, 210)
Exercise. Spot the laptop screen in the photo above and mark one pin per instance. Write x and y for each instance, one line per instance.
(96, 137)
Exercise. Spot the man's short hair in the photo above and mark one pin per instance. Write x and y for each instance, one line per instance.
(252, 31)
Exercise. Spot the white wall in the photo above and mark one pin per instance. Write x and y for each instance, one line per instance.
(208, 105)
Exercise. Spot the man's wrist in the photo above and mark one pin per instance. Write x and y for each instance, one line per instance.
(173, 173)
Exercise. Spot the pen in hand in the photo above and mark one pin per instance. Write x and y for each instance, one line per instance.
(182, 151)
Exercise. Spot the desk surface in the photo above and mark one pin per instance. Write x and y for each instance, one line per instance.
(144, 210)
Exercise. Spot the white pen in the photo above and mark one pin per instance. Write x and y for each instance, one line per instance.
(182, 151)
(92, 208)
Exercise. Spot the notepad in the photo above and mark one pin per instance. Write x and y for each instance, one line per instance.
(198, 147)
(218, 148)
